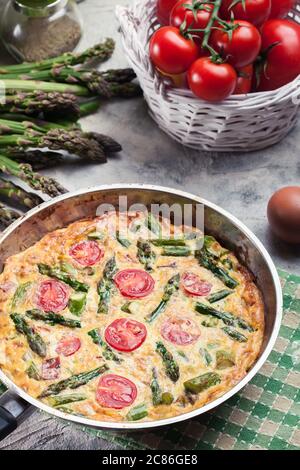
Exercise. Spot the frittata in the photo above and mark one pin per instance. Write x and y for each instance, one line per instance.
(142, 326)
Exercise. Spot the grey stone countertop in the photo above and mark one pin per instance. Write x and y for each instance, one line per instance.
(241, 183)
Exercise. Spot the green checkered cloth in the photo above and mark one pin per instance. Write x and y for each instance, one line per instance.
(264, 415)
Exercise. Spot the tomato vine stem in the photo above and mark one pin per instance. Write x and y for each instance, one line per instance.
(213, 18)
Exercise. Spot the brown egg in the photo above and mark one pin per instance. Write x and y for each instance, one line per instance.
(284, 213)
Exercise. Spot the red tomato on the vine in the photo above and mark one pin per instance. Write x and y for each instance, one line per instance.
(281, 46)
(280, 8)
(244, 80)
(254, 11)
(192, 14)
(211, 81)
(164, 8)
(171, 52)
(239, 45)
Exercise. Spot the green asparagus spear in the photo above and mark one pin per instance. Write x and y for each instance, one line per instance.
(7, 215)
(137, 413)
(216, 296)
(35, 341)
(34, 180)
(153, 225)
(241, 323)
(207, 359)
(209, 263)
(107, 351)
(226, 317)
(61, 400)
(234, 334)
(18, 195)
(155, 389)
(169, 242)
(202, 382)
(20, 294)
(171, 367)
(123, 241)
(57, 273)
(52, 318)
(204, 309)
(77, 303)
(170, 288)
(145, 254)
(176, 251)
(224, 359)
(101, 52)
(106, 285)
(32, 371)
(74, 381)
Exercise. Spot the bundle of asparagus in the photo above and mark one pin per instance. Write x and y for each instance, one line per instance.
(40, 119)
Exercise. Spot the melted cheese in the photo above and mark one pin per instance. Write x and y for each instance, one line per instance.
(53, 249)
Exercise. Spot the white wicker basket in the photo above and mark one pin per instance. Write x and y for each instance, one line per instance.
(242, 122)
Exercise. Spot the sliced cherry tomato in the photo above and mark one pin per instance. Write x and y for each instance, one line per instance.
(164, 8)
(115, 391)
(51, 369)
(239, 43)
(244, 81)
(254, 11)
(192, 284)
(171, 52)
(52, 296)
(281, 46)
(280, 8)
(195, 15)
(86, 253)
(68, 345)
(180, 330)
(125, 334)
(211, 81)
(134, 283)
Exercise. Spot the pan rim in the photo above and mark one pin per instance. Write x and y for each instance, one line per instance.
(122, 426)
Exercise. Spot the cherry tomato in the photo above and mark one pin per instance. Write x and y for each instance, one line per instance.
(125, 334)
(211, 81)
(180, 331)
(240, 45)
(244, 81)
(171, 52)
(134, 283)
(280, 8)
(177, 81)
(281, 43)
(86, 253)
(51, 369)
(68, 345)
(115, 391)
(192, 284)
(164, 8)
(52, 296)
(254, 11)
(196, 18)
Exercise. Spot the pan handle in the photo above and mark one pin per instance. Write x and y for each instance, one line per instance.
(13, 410)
